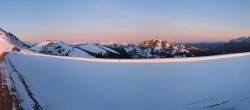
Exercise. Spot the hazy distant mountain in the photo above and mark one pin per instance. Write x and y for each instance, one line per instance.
(241, 40)
(207, 45)
(241, 44)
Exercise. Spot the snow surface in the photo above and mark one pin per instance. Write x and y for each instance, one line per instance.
(205, 83)
(39, 46)
(11, 39)
(108, 49)
(4, 46)
(61, 49)
(93, 48)
(79, 53)
(97, 49)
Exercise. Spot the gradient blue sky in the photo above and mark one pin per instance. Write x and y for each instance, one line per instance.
(126, 20)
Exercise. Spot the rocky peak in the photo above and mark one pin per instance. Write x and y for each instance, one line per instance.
(146, 44)
(166, 44)
(156, 44)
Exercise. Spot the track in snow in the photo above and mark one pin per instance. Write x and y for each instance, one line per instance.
(7, 99)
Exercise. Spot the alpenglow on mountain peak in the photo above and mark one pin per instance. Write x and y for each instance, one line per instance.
(157, 44)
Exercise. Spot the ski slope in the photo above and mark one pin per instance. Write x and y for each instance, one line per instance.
(205, 83)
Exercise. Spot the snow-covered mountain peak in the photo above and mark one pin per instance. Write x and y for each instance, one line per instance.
(50, 44)
(241, 39)
(10, 38)
(108, 43)
(46, 42)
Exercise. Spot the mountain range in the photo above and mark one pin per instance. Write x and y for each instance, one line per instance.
(146, 49)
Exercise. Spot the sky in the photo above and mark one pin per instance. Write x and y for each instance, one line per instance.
(126, 20)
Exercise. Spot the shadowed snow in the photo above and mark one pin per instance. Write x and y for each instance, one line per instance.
(204, 83)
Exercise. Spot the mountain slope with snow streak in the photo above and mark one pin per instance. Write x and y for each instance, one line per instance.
(216, 83)
(97, 49)
(12, 39)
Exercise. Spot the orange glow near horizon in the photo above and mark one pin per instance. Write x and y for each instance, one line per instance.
(129, 36)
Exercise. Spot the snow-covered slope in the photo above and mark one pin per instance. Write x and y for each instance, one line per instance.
(10, 38)
(5, 46)
(60, 48)
(97, 49)
(31, 44)
(63, 83)
(53, 48)
(39, 47)
(75, 52)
